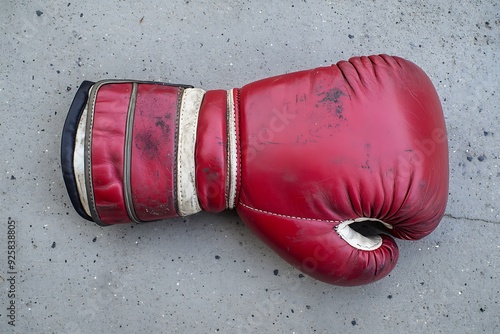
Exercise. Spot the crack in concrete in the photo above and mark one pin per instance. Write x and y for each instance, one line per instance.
(449, 215)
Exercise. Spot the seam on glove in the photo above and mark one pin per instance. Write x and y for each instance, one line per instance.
(286, 216)
(232, 151)
(180, 93)
(88, 151)
(239, 168)
(127, 156)
(228, 149)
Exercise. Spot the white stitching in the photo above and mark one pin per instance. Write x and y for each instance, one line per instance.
(286, 216)
(236, 144)
(228, 155)
(239, 167)
(232, 151)
(180, 189)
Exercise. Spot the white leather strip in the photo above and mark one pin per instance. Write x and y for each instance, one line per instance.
(232, 159)
(356, 239)
(79, 161)
(187, 199)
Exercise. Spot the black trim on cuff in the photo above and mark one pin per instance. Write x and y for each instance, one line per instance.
(69, 137)
(68, 145)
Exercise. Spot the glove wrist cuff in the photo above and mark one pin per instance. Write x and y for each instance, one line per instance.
(218, 162)
(120, 144)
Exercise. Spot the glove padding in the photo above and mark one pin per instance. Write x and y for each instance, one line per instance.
(308, 160)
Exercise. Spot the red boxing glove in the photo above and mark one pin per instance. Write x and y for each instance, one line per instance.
(308, 159)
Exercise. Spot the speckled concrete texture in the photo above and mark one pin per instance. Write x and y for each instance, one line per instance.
(208, 273)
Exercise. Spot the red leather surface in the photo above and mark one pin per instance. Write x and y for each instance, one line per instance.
(363, 138)
(153, 152)
(108, 140)
(211, 152)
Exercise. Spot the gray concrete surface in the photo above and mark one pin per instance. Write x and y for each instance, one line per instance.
(209, 273)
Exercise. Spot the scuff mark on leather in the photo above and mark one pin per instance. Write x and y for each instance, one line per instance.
(332, 100)
(333, 95)
(146, 144)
